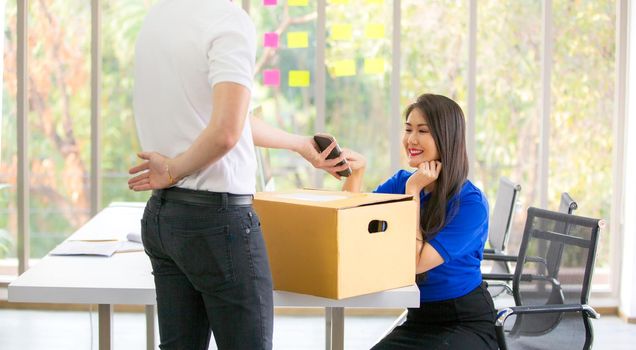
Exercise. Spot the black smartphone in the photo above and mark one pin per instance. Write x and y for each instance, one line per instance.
(323, 141)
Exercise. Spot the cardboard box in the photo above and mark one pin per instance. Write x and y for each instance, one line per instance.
(326, 243)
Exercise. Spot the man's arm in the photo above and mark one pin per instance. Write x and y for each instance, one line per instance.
(265, 135)
(230, 101)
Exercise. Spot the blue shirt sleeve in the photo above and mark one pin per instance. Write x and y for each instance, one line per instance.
(463, 229)
(396, 184)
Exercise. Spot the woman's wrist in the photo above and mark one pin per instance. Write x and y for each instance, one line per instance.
(413, 189)
(357, 173)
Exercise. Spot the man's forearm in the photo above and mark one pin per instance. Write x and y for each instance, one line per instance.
(230, 101)
(211, 145)
(267, 136)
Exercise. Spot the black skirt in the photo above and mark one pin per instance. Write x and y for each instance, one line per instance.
(467, 322)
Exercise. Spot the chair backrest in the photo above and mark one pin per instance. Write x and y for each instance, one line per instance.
(501, 216)
(560, 274)
(567, 204)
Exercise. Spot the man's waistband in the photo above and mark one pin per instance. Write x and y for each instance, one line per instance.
(204, 197)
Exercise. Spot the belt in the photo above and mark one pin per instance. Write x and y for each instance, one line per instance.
(204, 197)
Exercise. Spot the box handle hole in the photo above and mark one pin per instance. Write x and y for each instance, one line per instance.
(376, 226)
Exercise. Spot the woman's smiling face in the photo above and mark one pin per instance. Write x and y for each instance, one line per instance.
(418, 141)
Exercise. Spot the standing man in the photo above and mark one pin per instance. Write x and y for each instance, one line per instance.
(193, 76)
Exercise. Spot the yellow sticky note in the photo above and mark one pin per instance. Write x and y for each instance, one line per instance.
(341, 32)
(299, 78)
(344, 68)
(297, 2)
(297, 40)
(373, 65)
(339, 2)
(374, 31)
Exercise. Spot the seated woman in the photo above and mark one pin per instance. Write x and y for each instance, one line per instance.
(456, 311)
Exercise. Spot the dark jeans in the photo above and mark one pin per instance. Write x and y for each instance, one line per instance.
(211, 275)
(467, 322)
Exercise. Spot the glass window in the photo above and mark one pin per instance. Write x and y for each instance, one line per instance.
(434, 45)
(358, 80)
(284, 80)
(8, 143)
(358, 61)
(59, 120)
(509, 43)
(581, 131)
(121, 21)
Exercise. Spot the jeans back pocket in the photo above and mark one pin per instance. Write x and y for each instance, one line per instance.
(204, 254)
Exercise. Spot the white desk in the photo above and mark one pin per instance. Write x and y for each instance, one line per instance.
(125, 278)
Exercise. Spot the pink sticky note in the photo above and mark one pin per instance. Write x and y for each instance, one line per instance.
(271, 40)
(270, 2)
(271, 77)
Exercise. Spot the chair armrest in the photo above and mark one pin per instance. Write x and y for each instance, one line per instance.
(489, 251)
(497, 276)
(524, 277)
(513, 258)
(543, 309)
(499, 257)
(500, 284)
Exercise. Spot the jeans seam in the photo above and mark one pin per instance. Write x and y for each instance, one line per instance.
(228, 253)
(253, 271)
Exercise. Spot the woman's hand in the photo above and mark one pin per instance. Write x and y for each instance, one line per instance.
(155, 173)
(426, 174)
(308, 149)
(356, 161)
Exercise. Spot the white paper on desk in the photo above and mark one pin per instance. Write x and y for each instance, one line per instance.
(86, 248)
(111, 224)
(128, 246)
(309, 197)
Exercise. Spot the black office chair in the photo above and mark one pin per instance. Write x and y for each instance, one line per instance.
(567, 205)
(501, 216)
(551, 286)
(499, 234)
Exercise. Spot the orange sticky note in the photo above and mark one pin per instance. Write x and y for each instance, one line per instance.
(297, 40)
(298, 78)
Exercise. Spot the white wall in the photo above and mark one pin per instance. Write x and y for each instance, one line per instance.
(627, 306)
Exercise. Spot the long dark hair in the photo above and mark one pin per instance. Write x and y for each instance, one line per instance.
(446, 123)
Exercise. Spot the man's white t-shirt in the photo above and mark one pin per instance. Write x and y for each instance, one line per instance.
(183, 49)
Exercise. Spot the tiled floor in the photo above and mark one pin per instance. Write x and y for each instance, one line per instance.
(51, 330)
